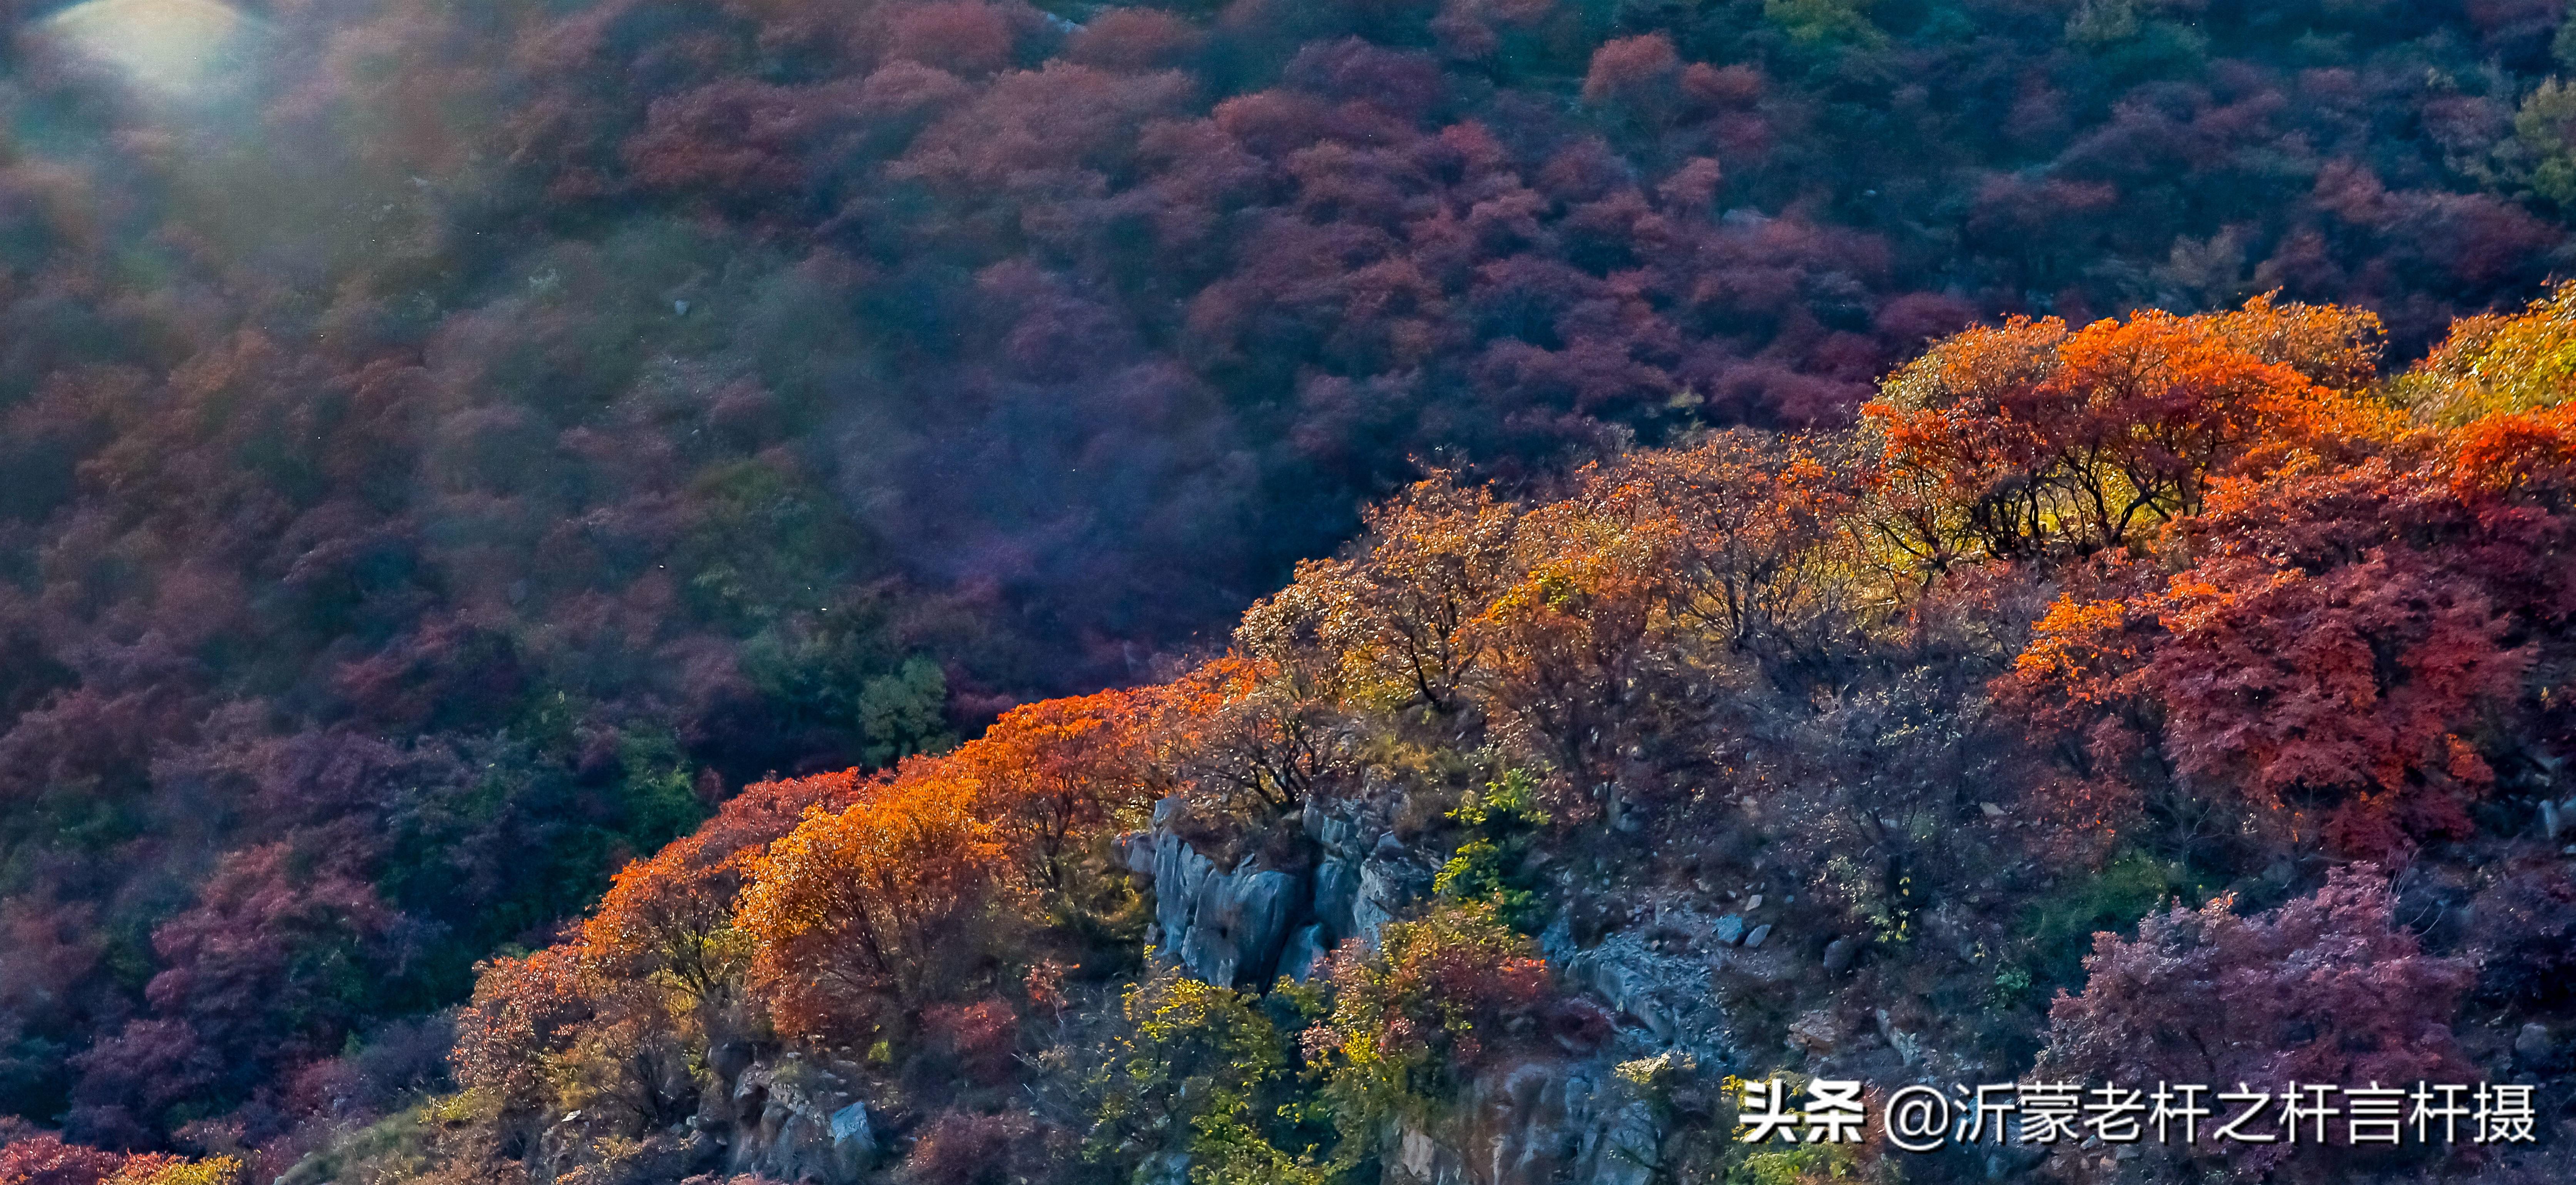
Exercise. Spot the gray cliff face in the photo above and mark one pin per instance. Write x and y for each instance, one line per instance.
(1244, 926)
(1542, 1121)
(1554, 1120)
(796, 1122)
(787, 1119)
(1657, 977)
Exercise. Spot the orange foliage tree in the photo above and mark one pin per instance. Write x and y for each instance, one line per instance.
(1237, 736)
(1055, 773)
(1763, 553)
(2033, 438)
(1389, 621)
(525, 1011)
(651, 972)
(1564, 646)
(669, 915)
(838, 902)
(860, 916)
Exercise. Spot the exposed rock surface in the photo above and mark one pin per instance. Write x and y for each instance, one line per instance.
(795, 1121)
(1559, 1119)
(2534, 1048)
(1246, 925)
(1534, 1122)
(1839, 955)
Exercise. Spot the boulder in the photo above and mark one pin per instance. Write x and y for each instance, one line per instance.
(1337, 894)
(1839, 955)
(2534, 1048)
(1536, 1121)
(850, 1131)
(799, 1122)
(1666, 994)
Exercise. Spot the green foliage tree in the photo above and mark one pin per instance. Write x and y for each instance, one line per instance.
(1201, 1070)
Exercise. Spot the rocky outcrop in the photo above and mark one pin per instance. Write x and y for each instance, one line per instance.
(1541, 1121)
(1656, 981)
(1226, 926)
(1246, 925)
(1553, 1120)
(799, 1122)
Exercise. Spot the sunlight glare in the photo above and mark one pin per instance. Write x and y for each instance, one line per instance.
(170, 46)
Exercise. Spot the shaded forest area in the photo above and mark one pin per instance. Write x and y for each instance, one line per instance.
(440, 461)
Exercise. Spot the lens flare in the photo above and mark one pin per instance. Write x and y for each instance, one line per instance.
(171, 46)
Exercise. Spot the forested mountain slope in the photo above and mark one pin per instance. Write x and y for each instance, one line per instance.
(448, 449)
(2189, 629)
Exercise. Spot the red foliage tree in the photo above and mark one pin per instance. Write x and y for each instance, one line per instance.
(46, 1160)
(523, 1011)
(964, 37)
(2316, 664)
(2032, 436)
(267, 973)
(964, 1148)
(2326, 989)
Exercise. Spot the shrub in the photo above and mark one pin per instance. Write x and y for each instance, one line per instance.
(962, 1148)
(1416, 1018)
(1200, 1070)
(2326, 988)
(2525, 935)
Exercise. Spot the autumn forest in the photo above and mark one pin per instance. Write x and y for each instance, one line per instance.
(951, 592)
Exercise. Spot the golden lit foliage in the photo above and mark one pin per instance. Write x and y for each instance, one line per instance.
(1054, 773)
(1236, 735)
(1199, 1068)
(2033, 439)
(671, 914)
(2498, 363)
(874, 907)
(833, 896)
(1561, 645)
(47, 1160)
(1387, 621)
(219, 1170)
(1763, 552)
(1419, 1015)
(2337, 347)
(1554, 622)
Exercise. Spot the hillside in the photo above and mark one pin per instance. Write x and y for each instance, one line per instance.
(1498, 847)
(450, 452)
